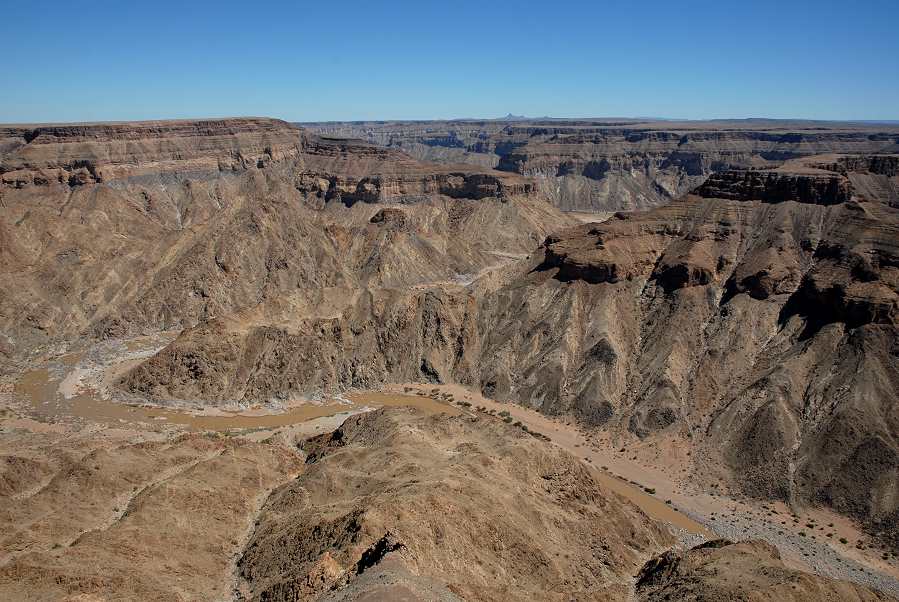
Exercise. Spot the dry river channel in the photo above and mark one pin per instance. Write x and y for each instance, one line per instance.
(75, 386)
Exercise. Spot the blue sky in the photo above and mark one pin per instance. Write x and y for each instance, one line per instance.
(303, 61)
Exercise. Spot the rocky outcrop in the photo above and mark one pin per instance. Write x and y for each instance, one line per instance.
(443, 508)
(744, 571)
(381, 335)
(94, 153)
(777, 187)
(608, 165)
(885, 165)
(351, 171)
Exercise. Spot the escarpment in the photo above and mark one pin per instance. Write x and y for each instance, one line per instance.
(350, 171)
(777, 187)
(94, 153)
(609, 165)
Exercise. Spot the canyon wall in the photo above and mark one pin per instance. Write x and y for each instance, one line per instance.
(755, 325)
(112, 229)
(611, 165)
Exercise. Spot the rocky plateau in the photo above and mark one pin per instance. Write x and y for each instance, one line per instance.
(620, 164)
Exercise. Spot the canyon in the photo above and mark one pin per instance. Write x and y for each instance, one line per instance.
(618, 164)
(730, 299)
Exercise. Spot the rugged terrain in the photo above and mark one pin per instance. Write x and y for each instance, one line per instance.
(394, 504)
(749, 570)
(442, 508)
(754, 320)
(124, 228)
(623, 164)
(118, 515)
(748, 326)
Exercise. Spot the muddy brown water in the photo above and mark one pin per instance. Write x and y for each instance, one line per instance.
(39, 388)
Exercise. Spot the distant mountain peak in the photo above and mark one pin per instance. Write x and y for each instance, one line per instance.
(511, 117)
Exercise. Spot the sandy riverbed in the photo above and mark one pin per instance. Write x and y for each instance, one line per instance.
(639, 469)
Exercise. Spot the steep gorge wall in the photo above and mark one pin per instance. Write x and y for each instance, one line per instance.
(760, 332)
(605, 165)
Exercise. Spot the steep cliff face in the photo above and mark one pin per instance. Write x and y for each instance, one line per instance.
(92, 153)
(352, 171)
(604, 165)
(777, 187)
(761, 331)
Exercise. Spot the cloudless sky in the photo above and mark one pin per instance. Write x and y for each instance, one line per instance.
(330, 60)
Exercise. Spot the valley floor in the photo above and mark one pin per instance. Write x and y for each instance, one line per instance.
(66, 397)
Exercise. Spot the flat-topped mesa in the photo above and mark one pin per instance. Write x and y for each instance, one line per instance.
(353, 171)
(884, 165)
(610, 252)
(90, 153)
(823, 188)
